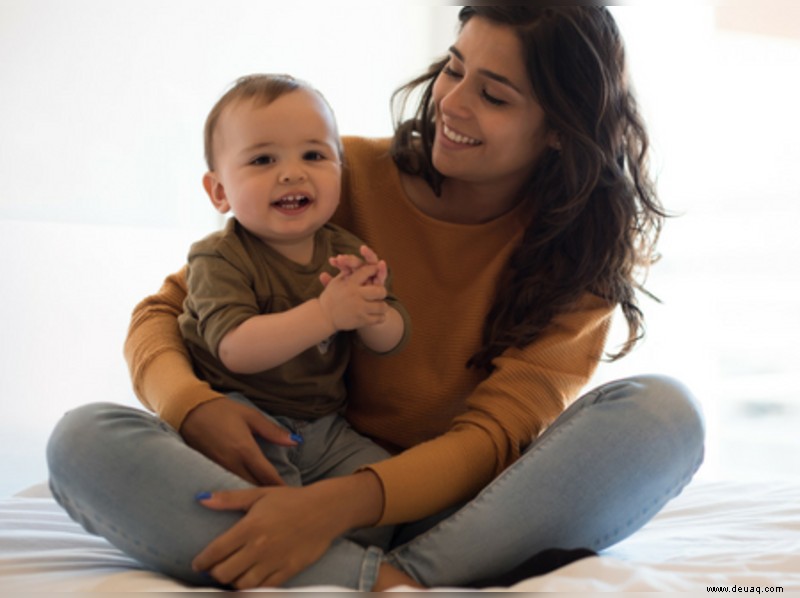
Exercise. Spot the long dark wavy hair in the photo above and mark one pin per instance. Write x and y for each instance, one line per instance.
(596, 216)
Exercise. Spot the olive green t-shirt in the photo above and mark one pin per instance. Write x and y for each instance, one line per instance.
(233, 276)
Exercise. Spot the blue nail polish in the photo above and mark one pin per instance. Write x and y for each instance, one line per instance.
(202, 496)
(297, 438)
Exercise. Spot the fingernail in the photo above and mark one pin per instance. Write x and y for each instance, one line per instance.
(297, 438)
(206, 575)
(202, 496)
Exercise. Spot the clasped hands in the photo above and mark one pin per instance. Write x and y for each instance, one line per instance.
(354, 298)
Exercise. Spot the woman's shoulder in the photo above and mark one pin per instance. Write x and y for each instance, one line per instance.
(369, 172)
(362, 151)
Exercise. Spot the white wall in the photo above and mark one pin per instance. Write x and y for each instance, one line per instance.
(104, 102)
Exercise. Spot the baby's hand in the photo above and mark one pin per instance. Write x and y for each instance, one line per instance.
(350, 302)
(348, 264)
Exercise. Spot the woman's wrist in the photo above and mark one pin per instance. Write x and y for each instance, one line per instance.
(354, 501)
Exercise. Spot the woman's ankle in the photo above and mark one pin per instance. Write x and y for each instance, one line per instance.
(389, 577)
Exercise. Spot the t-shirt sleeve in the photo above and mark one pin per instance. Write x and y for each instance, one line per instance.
(220, 294)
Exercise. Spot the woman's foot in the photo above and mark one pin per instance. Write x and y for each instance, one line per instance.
(389, 577)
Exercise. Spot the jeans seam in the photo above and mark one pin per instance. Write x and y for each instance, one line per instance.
(368, 574)
(650, 509)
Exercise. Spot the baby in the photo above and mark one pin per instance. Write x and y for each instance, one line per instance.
(276, 297)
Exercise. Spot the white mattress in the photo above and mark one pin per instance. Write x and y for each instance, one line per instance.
(715, 534)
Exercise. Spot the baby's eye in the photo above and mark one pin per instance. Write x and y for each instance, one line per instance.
(314, 156)
(262, 160)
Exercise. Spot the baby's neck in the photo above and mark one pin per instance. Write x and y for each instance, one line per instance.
(301, 252)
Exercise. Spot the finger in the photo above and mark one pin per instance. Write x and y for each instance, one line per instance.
(272, 432)
(277, 579)
(369, 256)
(363, 274)
(383, 273)
(373, 293)
(325, 278)
(255, 577)
(222, 548)
(348, 263)
(229, 570)
(263, 471)
(230, 500)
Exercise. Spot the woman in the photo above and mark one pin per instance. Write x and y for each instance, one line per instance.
(516, 212)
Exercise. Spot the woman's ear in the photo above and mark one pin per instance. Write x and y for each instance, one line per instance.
(216, 192)
(554, 140)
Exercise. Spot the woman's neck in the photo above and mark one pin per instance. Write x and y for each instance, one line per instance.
(460, 202)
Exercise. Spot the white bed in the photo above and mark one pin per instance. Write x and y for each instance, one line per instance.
(720, 534)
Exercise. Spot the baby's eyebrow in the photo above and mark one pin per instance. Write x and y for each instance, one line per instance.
(259, 145)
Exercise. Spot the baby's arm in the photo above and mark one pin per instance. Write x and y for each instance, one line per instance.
(269, 340)
(384, 336)
(266, 341)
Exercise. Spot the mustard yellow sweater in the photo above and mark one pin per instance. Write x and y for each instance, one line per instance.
(454, 428)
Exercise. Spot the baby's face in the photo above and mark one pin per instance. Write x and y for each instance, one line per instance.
(278, 166)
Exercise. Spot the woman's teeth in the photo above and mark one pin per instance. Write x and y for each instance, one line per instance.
(457, 137)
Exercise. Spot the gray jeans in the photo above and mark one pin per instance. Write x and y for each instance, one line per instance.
(330, 448)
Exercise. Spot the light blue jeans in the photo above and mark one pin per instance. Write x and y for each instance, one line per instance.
(600, 471)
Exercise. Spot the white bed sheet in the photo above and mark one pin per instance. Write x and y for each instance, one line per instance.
(714, 534)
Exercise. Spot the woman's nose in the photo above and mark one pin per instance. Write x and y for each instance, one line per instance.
(455, 103)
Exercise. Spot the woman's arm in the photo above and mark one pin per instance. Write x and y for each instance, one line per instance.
(528, 389)
(165, 382)
(159, 365)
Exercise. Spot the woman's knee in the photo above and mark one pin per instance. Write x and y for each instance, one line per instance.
(91, 431)
(672, 407)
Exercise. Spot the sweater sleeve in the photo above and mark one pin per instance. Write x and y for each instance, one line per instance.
(525, 393)
(159, 365)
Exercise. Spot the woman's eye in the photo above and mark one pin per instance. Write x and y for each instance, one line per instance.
(491, 99)
(448, 70)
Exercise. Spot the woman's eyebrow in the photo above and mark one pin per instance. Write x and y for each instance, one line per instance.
(487, 73)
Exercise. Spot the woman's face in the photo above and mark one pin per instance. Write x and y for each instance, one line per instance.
(489, 126)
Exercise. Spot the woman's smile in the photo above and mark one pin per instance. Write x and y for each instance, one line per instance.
(458, 138)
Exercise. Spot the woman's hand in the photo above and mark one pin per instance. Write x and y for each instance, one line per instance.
(284, 530)
(224, 431)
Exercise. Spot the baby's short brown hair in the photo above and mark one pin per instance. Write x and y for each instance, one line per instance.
(263, 88)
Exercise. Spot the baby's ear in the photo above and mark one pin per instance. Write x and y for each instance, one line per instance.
(216, 192)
